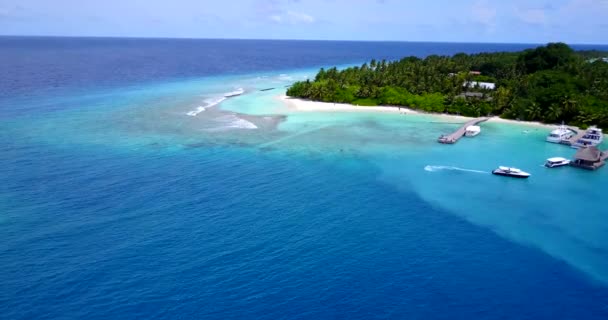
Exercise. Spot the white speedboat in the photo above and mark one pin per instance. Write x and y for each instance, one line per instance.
(560, 134)
(472, 131)
(510, 172)
(556, 162)
(593, 136)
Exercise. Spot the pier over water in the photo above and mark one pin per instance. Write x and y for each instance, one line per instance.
(456, 135)
(579, 134)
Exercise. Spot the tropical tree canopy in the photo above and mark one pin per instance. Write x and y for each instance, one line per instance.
(551, 83)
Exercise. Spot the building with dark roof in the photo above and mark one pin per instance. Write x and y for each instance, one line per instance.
(589, 158)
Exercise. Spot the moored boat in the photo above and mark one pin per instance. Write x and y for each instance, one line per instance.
(560, 134)
(446, 139)
(472, 131)
(510, 172)
(593, 136)
(556, 162)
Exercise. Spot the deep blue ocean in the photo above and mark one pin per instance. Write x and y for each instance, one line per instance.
(118, 202)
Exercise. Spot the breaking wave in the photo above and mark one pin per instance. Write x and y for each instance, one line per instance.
(234, 93)
(232, 121)
(285, 77)
(449, 168)
(196, 111)
(208, 104)
(239, 123)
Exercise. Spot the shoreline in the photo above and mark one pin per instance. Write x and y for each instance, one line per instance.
(301, 105)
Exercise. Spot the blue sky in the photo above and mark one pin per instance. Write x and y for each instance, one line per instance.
(530, 21)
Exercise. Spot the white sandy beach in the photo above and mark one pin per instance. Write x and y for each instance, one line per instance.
(295, 104)
(308, 105)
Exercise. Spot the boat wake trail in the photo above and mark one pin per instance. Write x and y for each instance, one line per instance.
(450, 168)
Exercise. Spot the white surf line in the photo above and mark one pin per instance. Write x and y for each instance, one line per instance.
(196, 111)
(234, 93)
(267, 144)
(210, 103)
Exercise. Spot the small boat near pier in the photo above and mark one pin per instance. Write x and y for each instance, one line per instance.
(560, 134)
(460, 132)
(472, 131)
(593, 136)
(556, 162)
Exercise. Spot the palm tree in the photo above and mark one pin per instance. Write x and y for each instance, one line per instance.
(476, 109)
(586, 118)
(554, 113)
(569, 105)
(502, 99)
(373, 64)
(533, 111)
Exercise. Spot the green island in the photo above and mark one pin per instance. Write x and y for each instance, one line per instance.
(551, 84)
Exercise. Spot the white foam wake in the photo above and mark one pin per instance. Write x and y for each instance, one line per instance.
(208, 104)
(449, 168)
(234, 93)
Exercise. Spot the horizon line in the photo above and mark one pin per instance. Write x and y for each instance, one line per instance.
(284, 39)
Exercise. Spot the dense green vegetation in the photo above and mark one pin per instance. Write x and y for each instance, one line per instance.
(552, 83)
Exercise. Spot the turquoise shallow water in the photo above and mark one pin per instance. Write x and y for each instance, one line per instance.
(557, 211)
(116, 203)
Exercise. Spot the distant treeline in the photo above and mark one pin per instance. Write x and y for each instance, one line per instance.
(552, 83)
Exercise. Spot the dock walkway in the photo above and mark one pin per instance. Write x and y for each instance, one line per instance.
(456, 135)
(579, 134)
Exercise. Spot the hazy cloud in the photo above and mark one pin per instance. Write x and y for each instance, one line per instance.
(573, 21)
(281, 12)
(10, 12)
(292, 17)
(532, 16)
(484, 14)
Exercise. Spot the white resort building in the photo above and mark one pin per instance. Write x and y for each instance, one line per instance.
(480, 85)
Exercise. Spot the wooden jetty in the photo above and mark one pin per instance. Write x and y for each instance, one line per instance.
(456, 135)
(579, 134)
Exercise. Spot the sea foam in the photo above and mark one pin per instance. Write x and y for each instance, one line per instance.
(196, 111)
(236, 92)
(208, 104)
(231, 121)
(234, 122)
